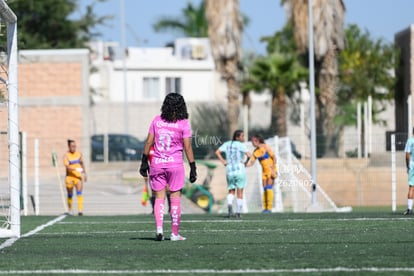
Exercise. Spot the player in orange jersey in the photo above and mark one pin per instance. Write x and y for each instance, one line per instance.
(267, 159)
(75, 175)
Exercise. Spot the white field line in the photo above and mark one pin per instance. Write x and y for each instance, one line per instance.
(10, 241)
(152, 221)
(214, 271)
(237, 221)
(255, 230)
(91, 233)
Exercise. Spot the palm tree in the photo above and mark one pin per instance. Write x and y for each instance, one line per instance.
(365, 67)
(246, 62)
(225, 26)
(328, 40)
(280, 74)
(192, 23)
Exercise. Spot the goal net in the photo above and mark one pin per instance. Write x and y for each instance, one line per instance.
(9, 143)
(293, 186)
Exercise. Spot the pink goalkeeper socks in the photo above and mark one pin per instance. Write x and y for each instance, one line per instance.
(159, 212)
(175, 214)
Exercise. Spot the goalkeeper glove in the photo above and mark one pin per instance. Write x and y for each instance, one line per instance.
(193, 172)
(144, 169)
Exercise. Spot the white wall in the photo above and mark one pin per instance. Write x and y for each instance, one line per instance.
(195, 85)
(199, 80)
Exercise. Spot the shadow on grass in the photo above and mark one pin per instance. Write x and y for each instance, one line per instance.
(147, 239)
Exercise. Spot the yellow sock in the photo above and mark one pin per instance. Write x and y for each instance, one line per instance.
(269, 199)
(265, 200)
(70, 201)
(80, 202)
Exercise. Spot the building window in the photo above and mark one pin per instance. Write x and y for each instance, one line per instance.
(198, 52)
(151, 88)
(173, 85)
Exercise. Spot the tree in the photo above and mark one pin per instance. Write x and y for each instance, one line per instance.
(328, 40)
(246, 62)
(280, 74)
(225, 26)
(222, 23)
(192, 23)
(365, 69)
(47, 24)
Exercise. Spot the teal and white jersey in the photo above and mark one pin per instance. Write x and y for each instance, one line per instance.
(409, 147)
(235, 152)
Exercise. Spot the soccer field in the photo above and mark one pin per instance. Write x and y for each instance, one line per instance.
(318, 243)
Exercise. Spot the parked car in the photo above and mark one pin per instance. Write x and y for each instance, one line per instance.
(121, 147)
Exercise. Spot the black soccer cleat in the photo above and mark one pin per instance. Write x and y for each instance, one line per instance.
(230, 211)
(408, 212)
(159, 237)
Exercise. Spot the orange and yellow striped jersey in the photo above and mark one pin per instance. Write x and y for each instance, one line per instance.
(265, 156)
(73, 161)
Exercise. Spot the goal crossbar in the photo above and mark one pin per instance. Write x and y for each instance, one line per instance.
(6, 13)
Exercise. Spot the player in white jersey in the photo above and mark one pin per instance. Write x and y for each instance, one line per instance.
(235, 152)
(409, 161)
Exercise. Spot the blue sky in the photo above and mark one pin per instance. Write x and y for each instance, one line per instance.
(382, 18)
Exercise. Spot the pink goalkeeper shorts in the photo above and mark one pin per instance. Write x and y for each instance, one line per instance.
(171, 178)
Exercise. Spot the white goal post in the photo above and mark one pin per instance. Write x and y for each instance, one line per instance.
(12, 227)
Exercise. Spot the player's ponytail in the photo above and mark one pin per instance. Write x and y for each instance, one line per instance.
(237, 134)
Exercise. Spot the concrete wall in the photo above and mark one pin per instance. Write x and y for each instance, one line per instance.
(347, 181)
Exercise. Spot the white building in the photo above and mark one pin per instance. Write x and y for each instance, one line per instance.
(187, 68)
(151, 73)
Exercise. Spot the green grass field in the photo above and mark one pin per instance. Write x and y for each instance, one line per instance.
(318, 243)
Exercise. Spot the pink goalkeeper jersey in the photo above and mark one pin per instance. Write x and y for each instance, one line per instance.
(168, 145)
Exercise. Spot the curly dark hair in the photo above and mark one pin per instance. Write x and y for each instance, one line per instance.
(174, 108)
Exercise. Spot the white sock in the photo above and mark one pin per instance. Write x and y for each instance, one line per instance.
(410, 204)
(230, 198)
(239, 205)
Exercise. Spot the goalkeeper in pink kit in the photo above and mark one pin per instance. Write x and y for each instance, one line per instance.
(170, 134)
